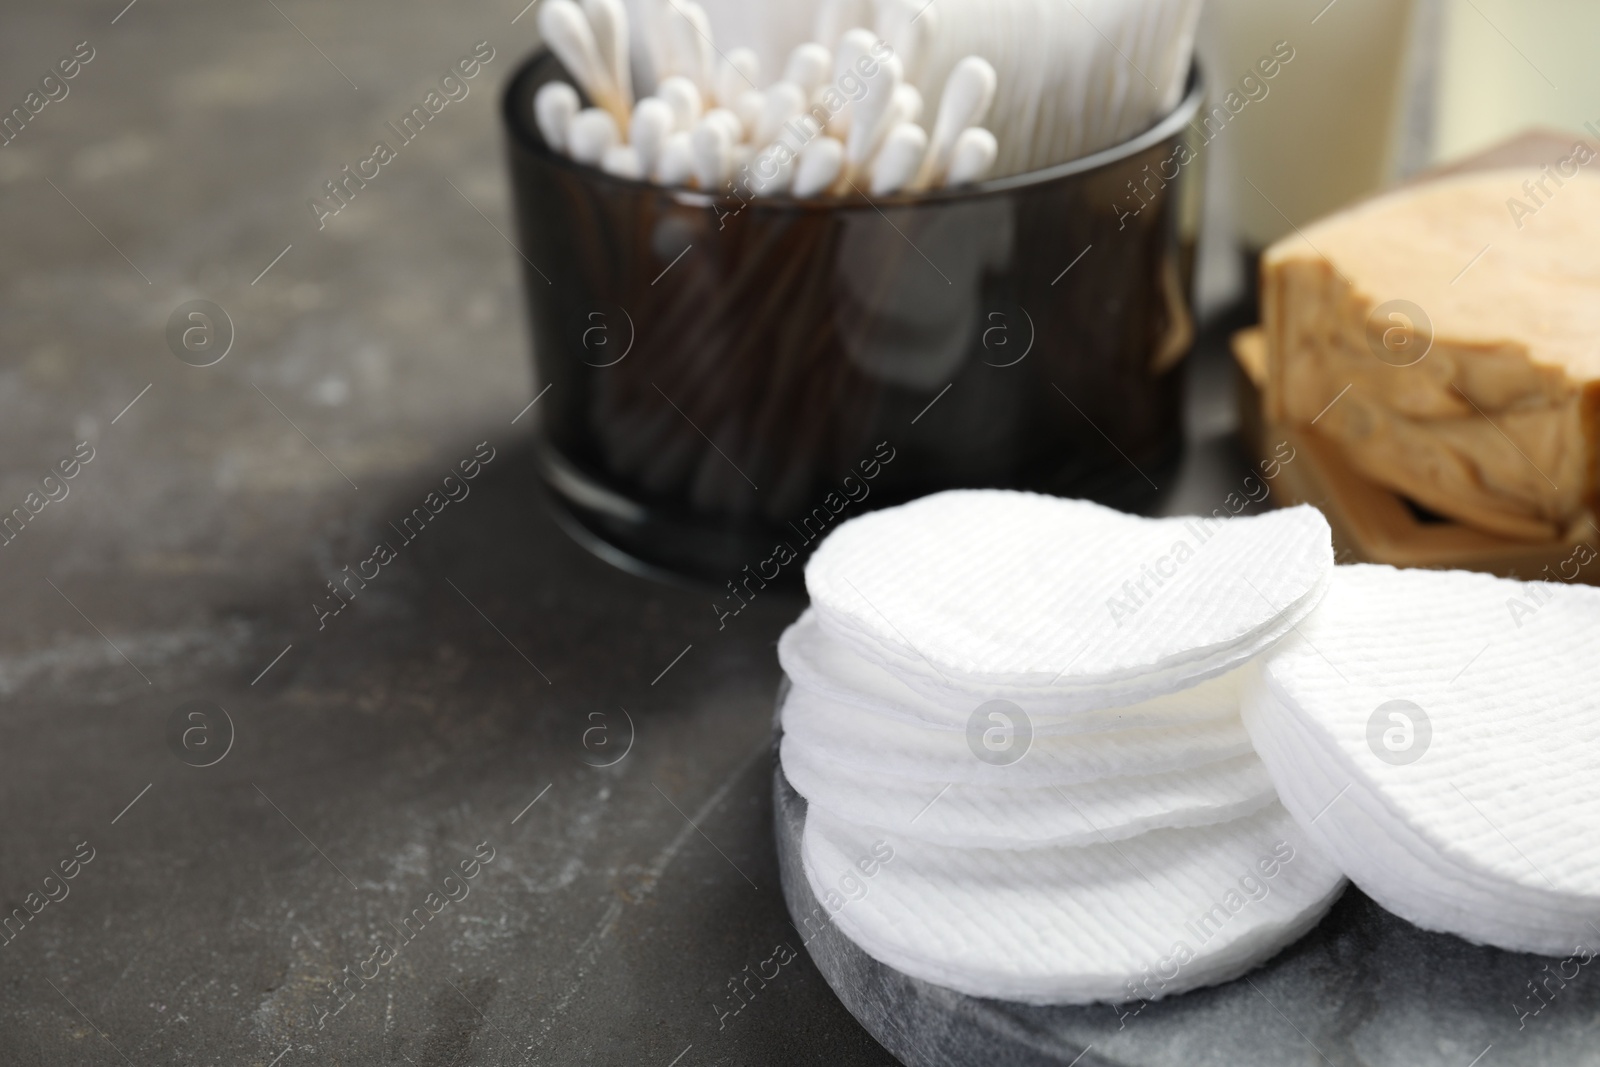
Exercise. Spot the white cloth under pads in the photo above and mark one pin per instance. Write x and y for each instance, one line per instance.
(1032, 705)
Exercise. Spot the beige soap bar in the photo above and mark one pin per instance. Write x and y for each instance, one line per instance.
(1447, 337)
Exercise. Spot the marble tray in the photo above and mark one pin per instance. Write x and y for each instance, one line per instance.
(1363, 988)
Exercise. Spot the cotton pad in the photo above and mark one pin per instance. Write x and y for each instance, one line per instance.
(1387, 859)
(819, 662)
(996, 817)
(1437, 733)
(1063, 604)
(1154, 915)
(850, 737)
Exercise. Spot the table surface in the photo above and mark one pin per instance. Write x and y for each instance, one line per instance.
(465, 696)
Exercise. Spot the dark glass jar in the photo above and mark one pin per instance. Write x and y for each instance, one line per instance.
(726, 376)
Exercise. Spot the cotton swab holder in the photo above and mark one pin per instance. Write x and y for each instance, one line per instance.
(728, 373)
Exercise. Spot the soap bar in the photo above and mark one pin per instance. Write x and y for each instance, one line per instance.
(1445, 337)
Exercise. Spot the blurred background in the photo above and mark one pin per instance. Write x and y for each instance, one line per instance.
(496, 683)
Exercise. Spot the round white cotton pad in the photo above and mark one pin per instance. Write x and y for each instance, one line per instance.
(1063, 603)
(1154, 915)
(1394, 866)
(1024, 817)
(854, 738)
(816, 660)
(1439, 731)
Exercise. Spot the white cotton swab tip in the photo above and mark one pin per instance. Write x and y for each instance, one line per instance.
(684, 98)
(771, 170)
(608, 19)
(899, 158)
(854, 45)
(592, 132)
(968, 95)
(907, 104)
(968, 92)
(690, 25)
(554, 105)
(975, 152)
(819, 166)
(783, 102)
(712, 150)
(649, 129)
(739, 74)
(749, 106)
(730, 122)
(808, 66)
(623, 161)
(868, 124)
(676, 165)
(566, 30)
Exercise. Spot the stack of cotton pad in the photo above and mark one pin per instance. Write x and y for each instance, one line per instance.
(1033, 703)
(1437, 733)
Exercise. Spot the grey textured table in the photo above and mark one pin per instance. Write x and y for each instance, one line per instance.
(357, 759)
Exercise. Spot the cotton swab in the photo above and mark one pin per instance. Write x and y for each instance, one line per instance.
(693, 50)
(899, 158)
(608, 19)
(973, 156)
(652, 123)
(740, 73)
(676, 165)
(729, 121)
(711, 150)
(592, 131)
(819, 166)
(772, 171)
(566, 30)
(553, 107)
(854, 45)
(968, 94)
(808, 67)
(907, 105)
(1070, 87)
(623, 161)
(749, 106)
(684, 98)
(867, 125)
(784, 101)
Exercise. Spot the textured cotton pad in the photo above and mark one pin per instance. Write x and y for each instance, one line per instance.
(1063, 605)
(1154, 915)
(1086, 813)
(1478, 811)
(817, 661)
(1388, 860)
(851, 737)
